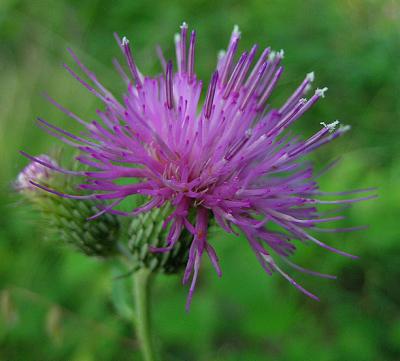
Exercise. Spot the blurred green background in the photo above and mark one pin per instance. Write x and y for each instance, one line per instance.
(55, 304)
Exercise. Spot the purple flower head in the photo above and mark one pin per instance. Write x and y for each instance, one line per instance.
(229, 158)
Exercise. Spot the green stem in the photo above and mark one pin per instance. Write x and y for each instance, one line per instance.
(142, 284)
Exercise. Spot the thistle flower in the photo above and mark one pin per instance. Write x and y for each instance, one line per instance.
(230, 159)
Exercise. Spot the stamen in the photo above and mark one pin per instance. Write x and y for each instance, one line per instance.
(191, 56)
(235, 74)
(234, 36)
(271, 262)
(310, 76)
(270, 88)
(254, 86)
(311, 102)
(236, 32)
(246, 68)
(125, 41)
(177, 40)
(321, 92)
(184, 29)
(273, 62)
(331, 126)
(300, 91)
(131, 61)
(221, 54)
(289, 117)
(220, 59)
(48, 164)
(210, 95)
(259, 64)
(228, 61)
(169, 85)
(307, 271)
(328, 128)
(60, 194)
(239, 145)
(272, 56)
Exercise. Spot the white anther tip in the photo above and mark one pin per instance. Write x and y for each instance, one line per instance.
(321, 92)
(125, 41)
(310, 76)
(221, 54)
(331, 126)
(271, 55)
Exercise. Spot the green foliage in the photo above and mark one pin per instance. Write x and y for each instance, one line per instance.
(56, 305)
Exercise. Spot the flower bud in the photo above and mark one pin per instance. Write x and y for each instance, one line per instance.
(34, 171)
(67, 219)
(146, 230)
